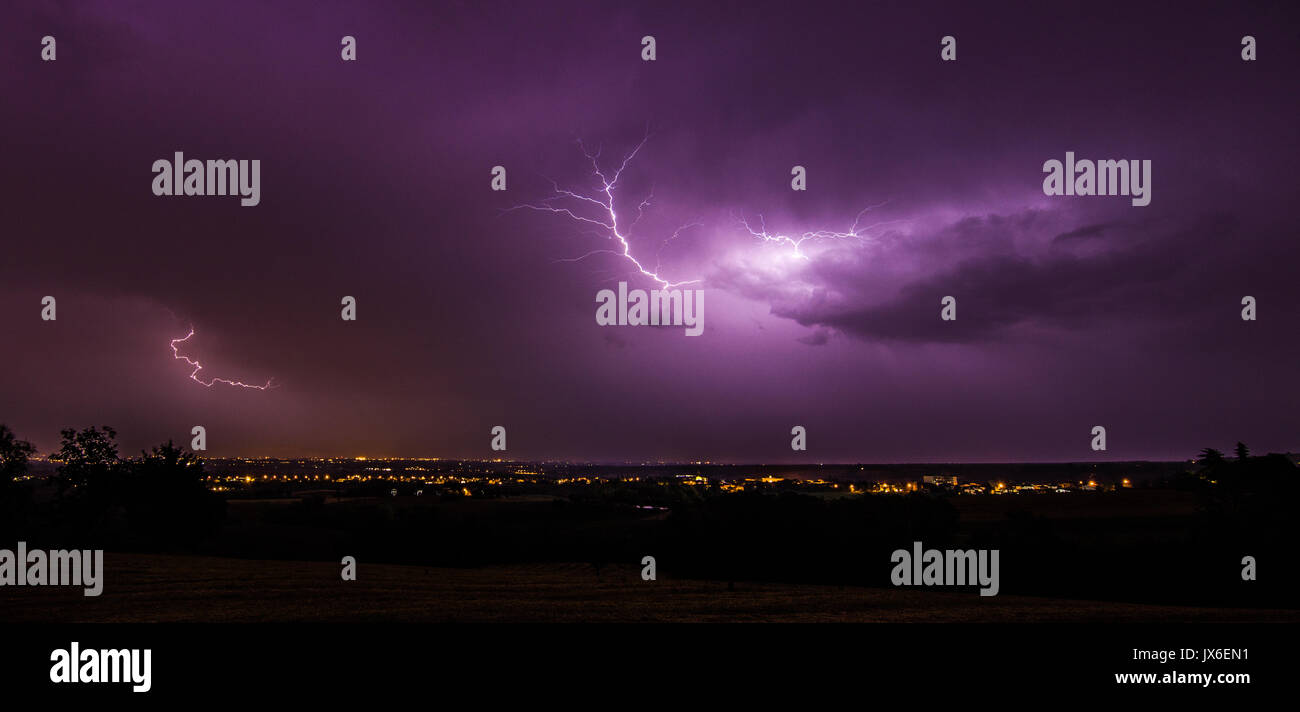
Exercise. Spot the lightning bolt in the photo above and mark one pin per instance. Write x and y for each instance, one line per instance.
(856, 232)
(194, 375)
(567, 203)
(571, 204)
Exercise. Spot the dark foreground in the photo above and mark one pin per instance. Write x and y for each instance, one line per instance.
(164, 588)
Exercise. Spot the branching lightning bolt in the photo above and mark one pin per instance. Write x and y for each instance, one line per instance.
(194, 375)
(856, 232)
(608, 223)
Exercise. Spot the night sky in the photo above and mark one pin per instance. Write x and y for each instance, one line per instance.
(1072, 311)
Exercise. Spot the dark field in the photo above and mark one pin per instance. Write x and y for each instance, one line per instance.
(159, 588)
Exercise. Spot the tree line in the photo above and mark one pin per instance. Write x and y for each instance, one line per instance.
(156, 500)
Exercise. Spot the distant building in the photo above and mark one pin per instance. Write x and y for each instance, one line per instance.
(940, 480)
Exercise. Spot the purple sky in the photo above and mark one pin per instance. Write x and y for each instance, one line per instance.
(1072, 311)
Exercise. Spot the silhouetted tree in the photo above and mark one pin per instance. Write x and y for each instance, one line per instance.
(1242, 451)
(167, 498)
(15, 497)
(1211, 456)
(13, 455)
(168, 462)
(87, 456)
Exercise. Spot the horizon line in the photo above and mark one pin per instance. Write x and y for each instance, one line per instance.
(686, 463)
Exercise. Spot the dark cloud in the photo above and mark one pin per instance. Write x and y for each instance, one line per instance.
(1144, 276)
(819, 337)
(1083, 232)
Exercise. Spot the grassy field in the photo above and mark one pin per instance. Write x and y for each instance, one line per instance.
(146, 588)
